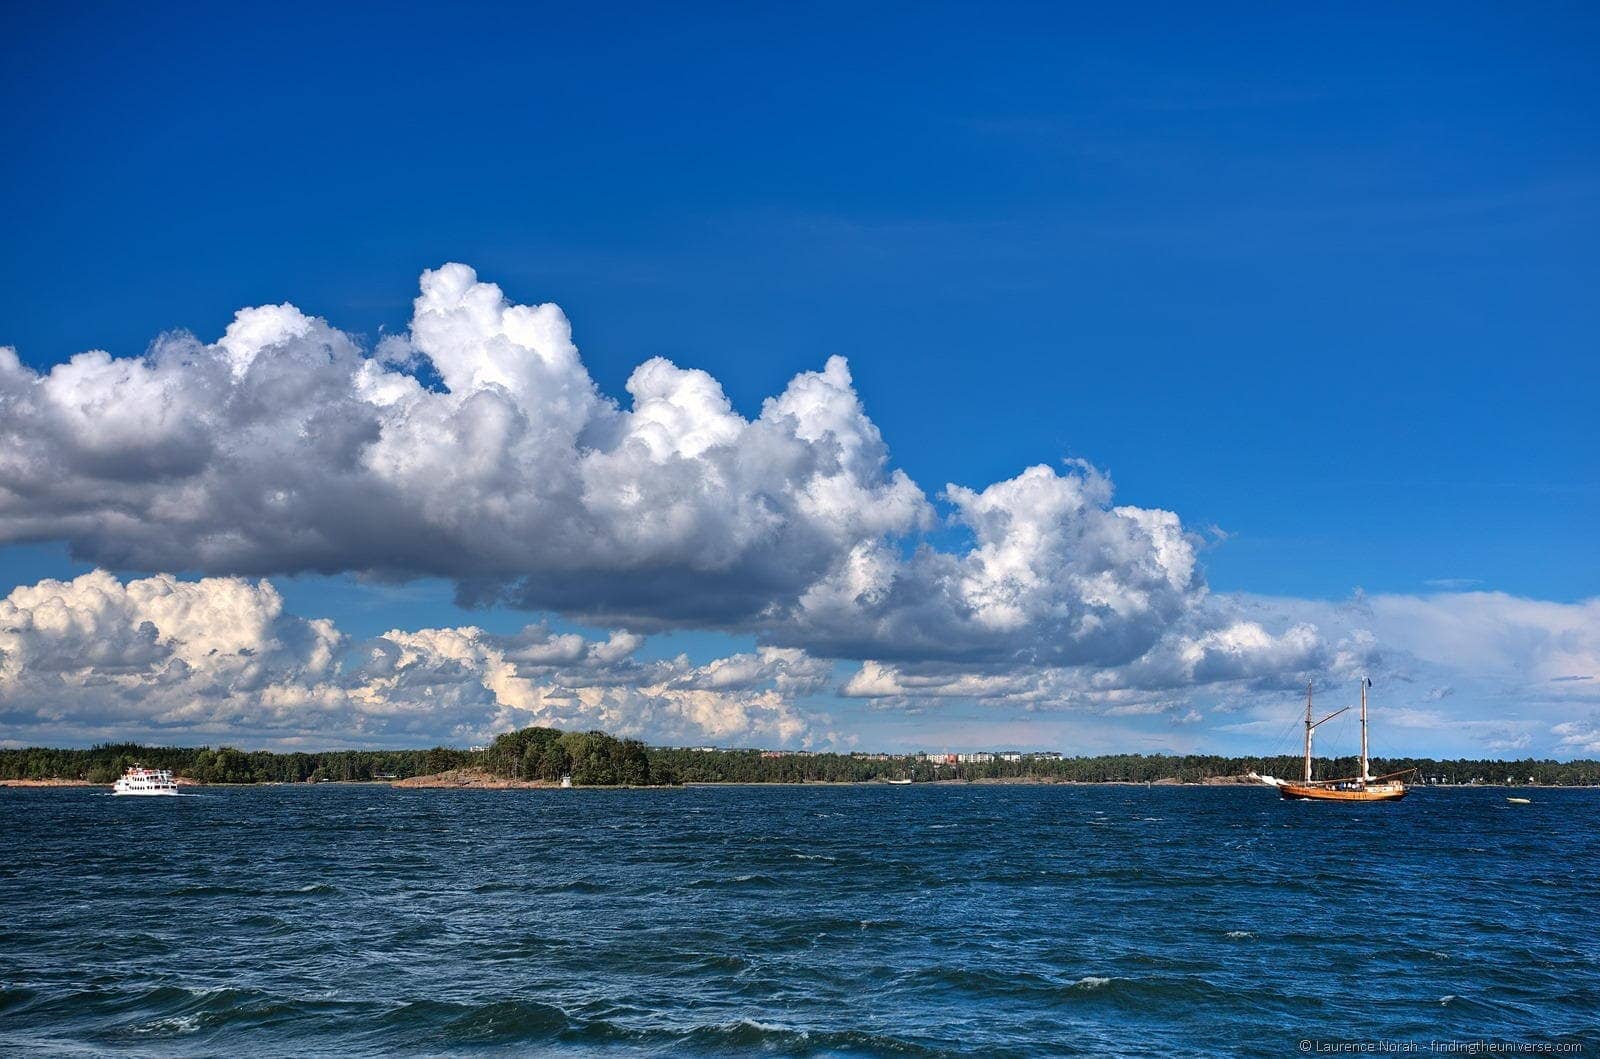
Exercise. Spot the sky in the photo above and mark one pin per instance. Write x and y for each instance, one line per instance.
(923, 377)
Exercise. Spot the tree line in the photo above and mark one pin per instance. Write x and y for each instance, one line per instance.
(591, 759)
(754, 766)
(103, 764)
(598, 759)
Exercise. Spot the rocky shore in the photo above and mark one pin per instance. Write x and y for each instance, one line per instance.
(470, 779)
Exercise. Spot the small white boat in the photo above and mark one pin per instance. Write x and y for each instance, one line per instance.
(1520, 801)
(140, 780)
(898, 782)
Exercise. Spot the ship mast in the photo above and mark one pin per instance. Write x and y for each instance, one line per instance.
(1309, 726)
(1312, 726)
(1366, 770)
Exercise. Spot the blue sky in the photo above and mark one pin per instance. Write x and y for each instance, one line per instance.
(1320, 283)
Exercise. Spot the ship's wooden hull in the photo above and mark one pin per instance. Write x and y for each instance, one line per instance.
(1372, 792)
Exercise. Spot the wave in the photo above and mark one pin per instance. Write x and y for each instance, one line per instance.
(16, 997)
(222, 890)
(112, 1016)
(498, 1021)
(526, 1023)
(752, 879)
(748, 1035)
(177, 1026)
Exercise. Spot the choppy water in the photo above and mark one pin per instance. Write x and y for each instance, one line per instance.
(837, 920)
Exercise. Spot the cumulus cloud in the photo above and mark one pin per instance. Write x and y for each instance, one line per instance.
(285, 447)
(1211, 645)
(158, 657)
(1055, 574)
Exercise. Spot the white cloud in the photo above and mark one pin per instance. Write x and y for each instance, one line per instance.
(1055, 575)
(1527, 639)
(1579, 738)
(282, 447)
(218, 658)
(1466, 673)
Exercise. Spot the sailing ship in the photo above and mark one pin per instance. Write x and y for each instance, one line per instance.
(1362, 788)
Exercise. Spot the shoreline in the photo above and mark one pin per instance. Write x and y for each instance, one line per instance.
(469, 779)
(473, 779)
(58, 781)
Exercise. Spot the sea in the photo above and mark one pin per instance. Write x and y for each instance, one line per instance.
(923, 920)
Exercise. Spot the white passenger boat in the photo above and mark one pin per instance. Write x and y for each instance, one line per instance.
(140, 780)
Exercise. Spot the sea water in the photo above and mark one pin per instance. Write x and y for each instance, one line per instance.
(865, 920)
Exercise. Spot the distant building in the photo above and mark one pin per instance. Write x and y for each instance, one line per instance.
(1010, 755)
